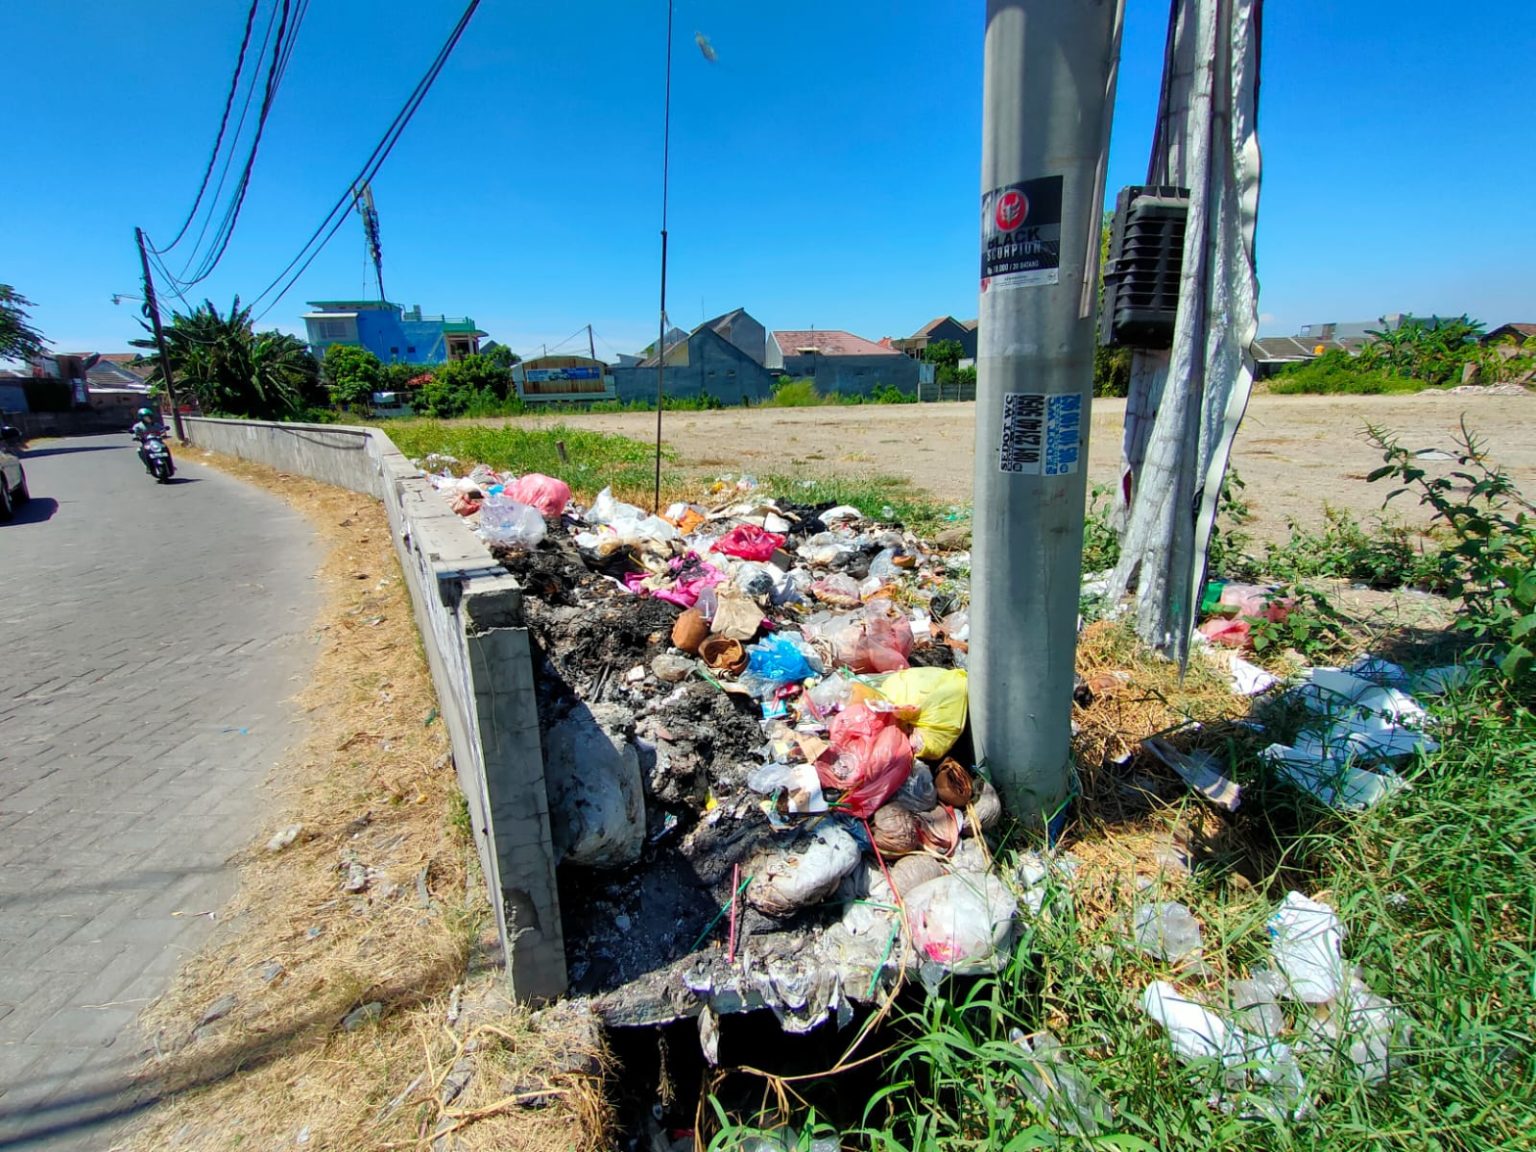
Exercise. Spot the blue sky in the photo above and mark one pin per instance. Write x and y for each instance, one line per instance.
(824, 169)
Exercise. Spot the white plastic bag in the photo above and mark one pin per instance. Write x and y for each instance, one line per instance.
(505, 522)
(803, 872)
(962, 922)
(1306, 939)
(596, 796)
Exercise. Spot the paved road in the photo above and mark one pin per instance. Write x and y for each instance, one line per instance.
(150, 638)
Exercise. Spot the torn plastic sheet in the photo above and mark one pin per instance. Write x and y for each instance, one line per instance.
(1345, 756)
(1199, 770)
(1058, 1090)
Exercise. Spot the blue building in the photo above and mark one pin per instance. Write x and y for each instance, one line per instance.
(390, 332)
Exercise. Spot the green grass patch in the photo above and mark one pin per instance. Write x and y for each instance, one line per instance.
(595, 459)
(1338, 373)
(888, 498)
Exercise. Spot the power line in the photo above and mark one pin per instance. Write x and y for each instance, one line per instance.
(227, 226)
(339, 211)
(229, 156)
(218, 140)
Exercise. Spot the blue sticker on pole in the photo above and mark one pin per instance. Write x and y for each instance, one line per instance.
(1041, 435)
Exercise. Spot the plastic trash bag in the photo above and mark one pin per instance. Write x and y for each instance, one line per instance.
(1168, 931)
(1306, 939)
(838, 590)
(509, 523)
(874, 758)
(778, 659)
(962, 922)
(918, 793)
(867, 641)
(940, 696)
(596, 796)
(546, 493)
(749, 542)
(803, 872)
(606, 509)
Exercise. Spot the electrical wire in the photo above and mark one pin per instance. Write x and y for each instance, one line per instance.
(234, 140)
(342, 208)
(227, 226)
(218, 140)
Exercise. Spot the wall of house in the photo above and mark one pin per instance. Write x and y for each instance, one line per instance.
(750, 336)
(855, 375)
(714, 366)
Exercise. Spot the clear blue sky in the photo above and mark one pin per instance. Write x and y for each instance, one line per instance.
(824, 170)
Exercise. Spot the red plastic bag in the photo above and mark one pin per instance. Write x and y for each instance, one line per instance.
(548, 495)
(874, 759)
(749, 542)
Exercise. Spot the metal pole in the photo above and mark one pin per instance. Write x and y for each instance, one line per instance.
(152, 309)
(661, 339)
(1048, 77)
(591, 346)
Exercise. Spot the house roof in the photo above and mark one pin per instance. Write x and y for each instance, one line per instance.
(1516, 327)
(724, 320)
(1279, 349)
(828, 342)
(937, 322)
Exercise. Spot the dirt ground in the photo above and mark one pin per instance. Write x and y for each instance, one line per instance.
(1293, 452)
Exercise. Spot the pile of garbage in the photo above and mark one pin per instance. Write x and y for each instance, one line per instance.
(754, 717)
(1262, 1053)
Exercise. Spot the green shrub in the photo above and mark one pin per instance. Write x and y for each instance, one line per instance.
(1491, 563)
(789, 393)
(1339, 373)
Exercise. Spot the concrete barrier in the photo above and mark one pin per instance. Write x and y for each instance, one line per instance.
(469, 611)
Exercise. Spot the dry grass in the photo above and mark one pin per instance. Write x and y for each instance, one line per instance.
(374, 791)
(1136, 826)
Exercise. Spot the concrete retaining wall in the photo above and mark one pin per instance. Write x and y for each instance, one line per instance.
(469, 611)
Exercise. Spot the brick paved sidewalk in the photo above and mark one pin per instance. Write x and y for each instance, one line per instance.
(150, 638)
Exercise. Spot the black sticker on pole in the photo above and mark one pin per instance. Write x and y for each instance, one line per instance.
(1021, 234)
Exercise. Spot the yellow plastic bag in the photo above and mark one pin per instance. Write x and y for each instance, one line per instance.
(938, 696)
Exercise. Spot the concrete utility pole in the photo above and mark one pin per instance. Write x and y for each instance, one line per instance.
(152, 310)
(1048, 93)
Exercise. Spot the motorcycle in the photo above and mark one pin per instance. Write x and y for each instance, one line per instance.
(161, 466)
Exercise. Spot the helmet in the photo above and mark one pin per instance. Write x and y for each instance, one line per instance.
(146, 414)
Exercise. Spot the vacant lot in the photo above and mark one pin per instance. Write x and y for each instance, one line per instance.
(1294, 452)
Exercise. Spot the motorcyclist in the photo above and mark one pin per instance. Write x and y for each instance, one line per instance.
(149, 424)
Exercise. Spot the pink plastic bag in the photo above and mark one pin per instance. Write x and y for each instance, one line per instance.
(874, 759)
(1233, 633)
(871, 642)
(1241, 600)
(749, 542)
(547, 494)
(693, 576)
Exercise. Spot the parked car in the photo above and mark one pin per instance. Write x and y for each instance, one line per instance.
(13, 477)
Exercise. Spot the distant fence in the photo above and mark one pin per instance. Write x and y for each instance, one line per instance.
(469, 611)
(938, 393)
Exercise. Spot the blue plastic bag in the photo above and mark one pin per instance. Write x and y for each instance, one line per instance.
(777, 660)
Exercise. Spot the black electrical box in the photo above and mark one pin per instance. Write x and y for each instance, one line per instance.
(1141, 274)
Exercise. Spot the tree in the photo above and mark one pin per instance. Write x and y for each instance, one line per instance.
(944, 353)
(460, 384)
(233, 370)
(500, 354)
(351, 375)
(18, 339)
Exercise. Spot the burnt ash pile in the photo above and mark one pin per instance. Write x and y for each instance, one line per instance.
(746, 713)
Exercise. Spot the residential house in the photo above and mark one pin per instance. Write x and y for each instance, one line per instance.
(390, 331)
(840, 362)
(962, 332)
(721, 358)
(1504, 333)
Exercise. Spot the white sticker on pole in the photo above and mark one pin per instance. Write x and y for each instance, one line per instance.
(1021, 234)
(1042, 435)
